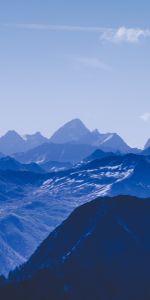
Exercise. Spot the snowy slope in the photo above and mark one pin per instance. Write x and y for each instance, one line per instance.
(33, 204)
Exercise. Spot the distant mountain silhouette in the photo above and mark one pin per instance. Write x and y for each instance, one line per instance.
(12, 142)
(76, 132)
(73, 132)
(34, 140)
(55, 152)
(69, 133)
(102, 251)
(71, 143)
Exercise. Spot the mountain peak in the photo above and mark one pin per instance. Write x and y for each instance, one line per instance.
(11, 136)
(10, 142)
(70, 132)
(75, 122)
(11, 133)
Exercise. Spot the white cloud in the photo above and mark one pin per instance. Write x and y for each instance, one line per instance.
(91, 62)
(145, 117)
(123, 34)
(118, 35)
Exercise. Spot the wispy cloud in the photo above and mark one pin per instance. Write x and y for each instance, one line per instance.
(57, 27)
(92, 62)
(145, 117)
(115, 35)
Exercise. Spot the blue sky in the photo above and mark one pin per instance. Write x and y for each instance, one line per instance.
(65, 59)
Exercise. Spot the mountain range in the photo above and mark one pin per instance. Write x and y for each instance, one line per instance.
(102, 251)
(34, 203)
(72, 133)
(12, 142)
(43, 180)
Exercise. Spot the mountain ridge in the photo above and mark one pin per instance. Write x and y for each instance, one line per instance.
(38, 202)
(91, 255)
(76, 132)
(72, 132)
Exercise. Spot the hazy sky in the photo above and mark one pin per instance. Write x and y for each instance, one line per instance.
(64, 59)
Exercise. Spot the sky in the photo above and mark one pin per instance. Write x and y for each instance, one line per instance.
(63, 59)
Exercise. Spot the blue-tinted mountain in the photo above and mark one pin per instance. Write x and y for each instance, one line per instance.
(9, 163)
(33, 204)
(56, 152)
(146, 151)
(107, 142)
(102, 251)
(115, 143)
(34, 140)
(53, 166)
(147, 145)
(67, 153)
(76, 132)
(12, 142)
(98, 154)
(70, 132)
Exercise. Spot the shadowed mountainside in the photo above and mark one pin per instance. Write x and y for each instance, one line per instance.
(102, 251)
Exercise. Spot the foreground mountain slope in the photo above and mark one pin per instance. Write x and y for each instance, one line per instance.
(102, 251)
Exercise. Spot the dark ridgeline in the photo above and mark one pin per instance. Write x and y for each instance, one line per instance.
(102, 251)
